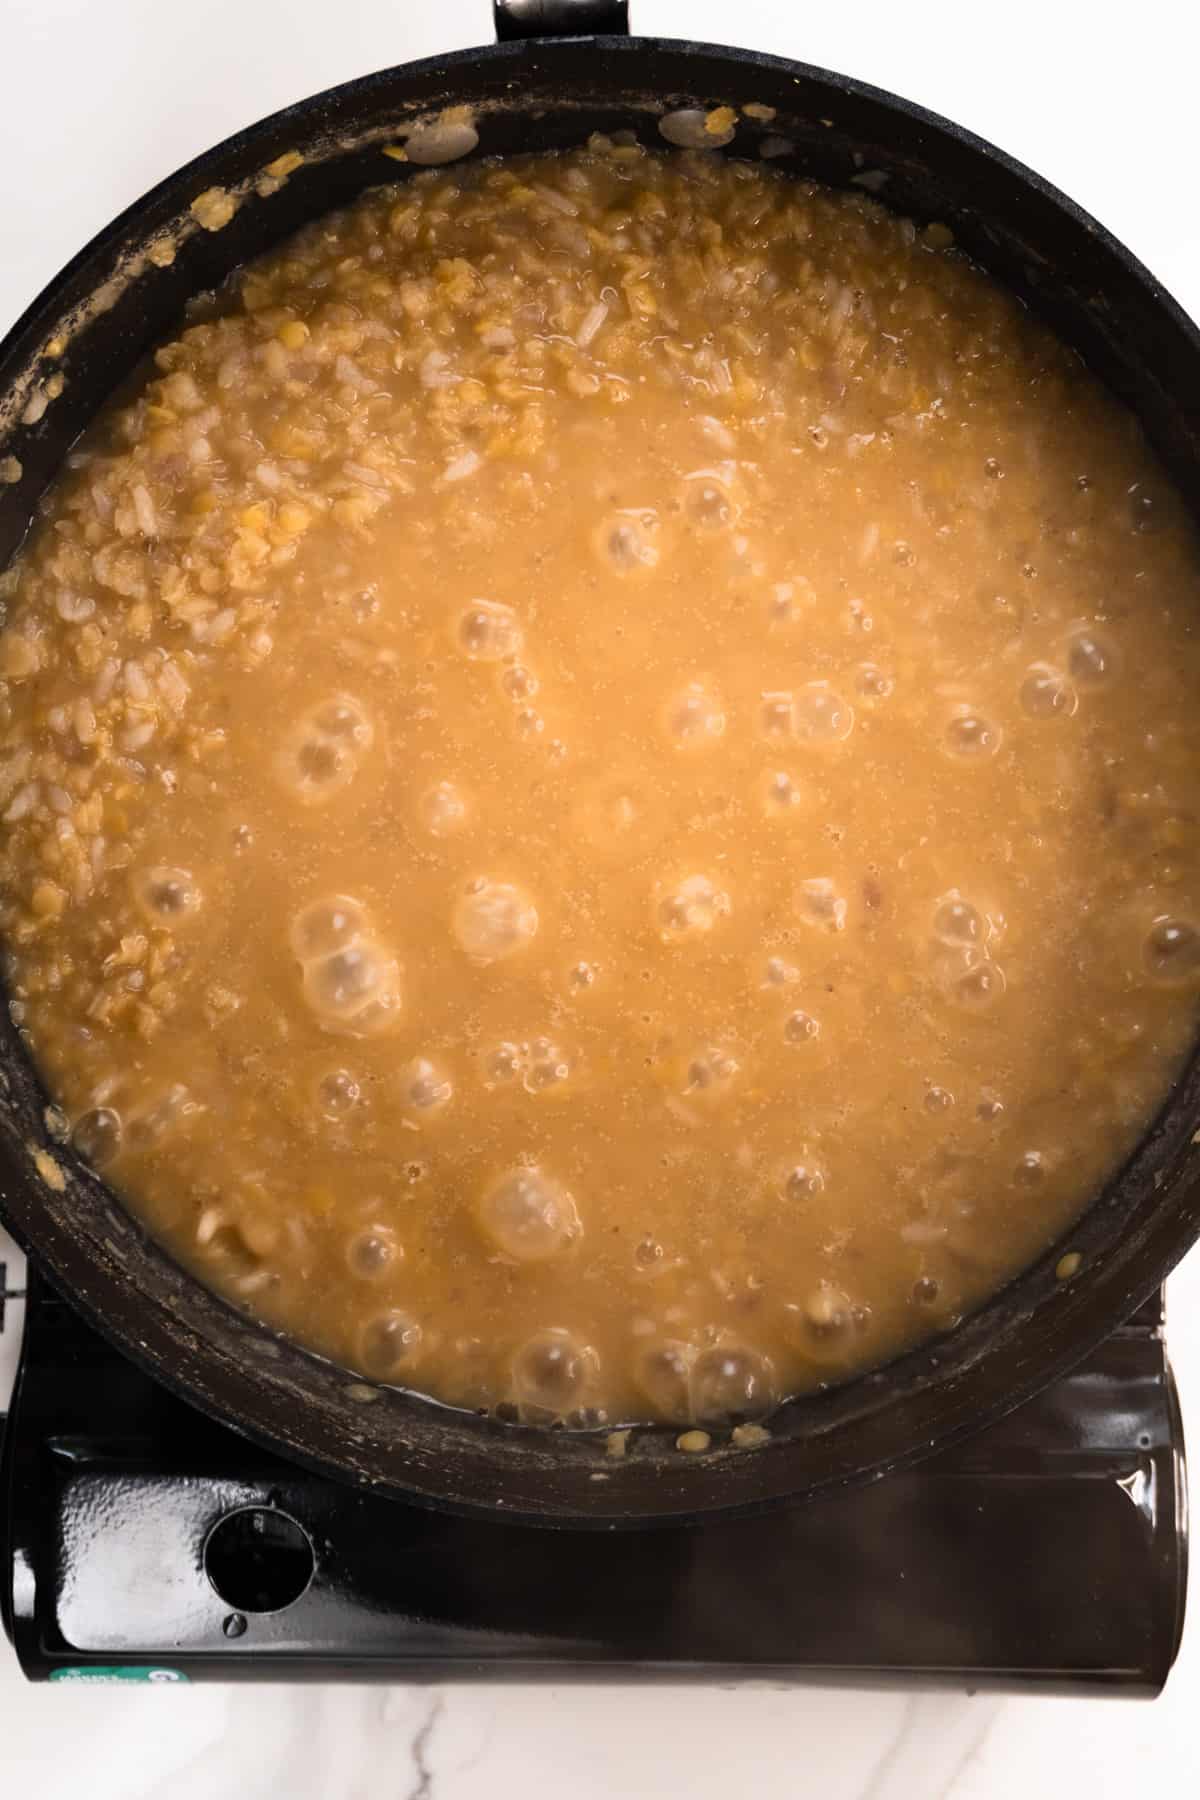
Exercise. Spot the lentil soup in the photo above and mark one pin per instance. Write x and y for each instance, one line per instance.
(599, 785)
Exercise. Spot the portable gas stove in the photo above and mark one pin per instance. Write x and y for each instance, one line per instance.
(141, 1541)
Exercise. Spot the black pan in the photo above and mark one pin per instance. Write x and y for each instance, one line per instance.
(112, 305)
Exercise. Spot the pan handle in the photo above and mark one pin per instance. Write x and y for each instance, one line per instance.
(560, 18)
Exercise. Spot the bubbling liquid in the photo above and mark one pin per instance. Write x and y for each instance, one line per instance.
(599, 786)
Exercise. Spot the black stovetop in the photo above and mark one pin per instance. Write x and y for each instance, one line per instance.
(142, 1541)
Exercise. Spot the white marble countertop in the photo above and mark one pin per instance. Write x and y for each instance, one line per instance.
(101, 101)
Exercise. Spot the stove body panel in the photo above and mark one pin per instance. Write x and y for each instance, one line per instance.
(145, 1540)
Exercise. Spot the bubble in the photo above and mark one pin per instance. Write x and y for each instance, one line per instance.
(692, 908)
(443, 141)
(730, 1385)
(370, 1253)
(1046, 693)
(146, 1129)
(712, 1071)
(378, 1015)
(1144, 515)
(96, 1135)
(820, 715)
(970, 735)
(626, 546)
(664, 1374)
(957, 923)
(326, 925)
(442, 809)
(804, 1181)
(490, 632)
(546, 1065)
(938, 1100)
(992, 469)
(695, 718)
(503, 1065)
(926, 1289)
(354, 989)
(343, 720)
(781, 792)
(551, 1373)
(313, 768)
(1091, 659)
(528, 1216)
(779, 973)
(425, 1086)
(320, 754)
(819, 903)
(708, 504)
(342, 981)
(989, 1108)
(519, 683)
(387, 1343)
(338, 1093)
(775, 714)
(1172, 950)
(581, 975)
(979, 986)
(800, 1028)
(493, 919)
(687, 127)
(166, 895)
(872, 682)
(1031, 1169)
(827, 1312)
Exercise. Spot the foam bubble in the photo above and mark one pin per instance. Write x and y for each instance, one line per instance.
(338, 1093)
(691, 908)
(551, 1373)
(545, 1065)
(712, 1072)
(490, 632)
(355, 989)
(96, 1135)
(425, 1086)
(326, 925)
(442, 809)
(342, 719)
(695, 717)
(1046, 693)
(979, 986)
(664, 1374)
(800, 1028)
(970, 735)
(493, 919)
(709, 503)
(804, 1181)
(528, 1215)
(1091, 658)
(819, 903)
(371, 1253)
(1172, 950)
(731, 1384)
(626, 544)
(957, 923)
(388, 1343)
(167, 896)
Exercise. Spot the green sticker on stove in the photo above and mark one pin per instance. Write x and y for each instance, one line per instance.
(97, 1672)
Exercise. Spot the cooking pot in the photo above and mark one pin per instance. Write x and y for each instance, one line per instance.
(561, 70)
